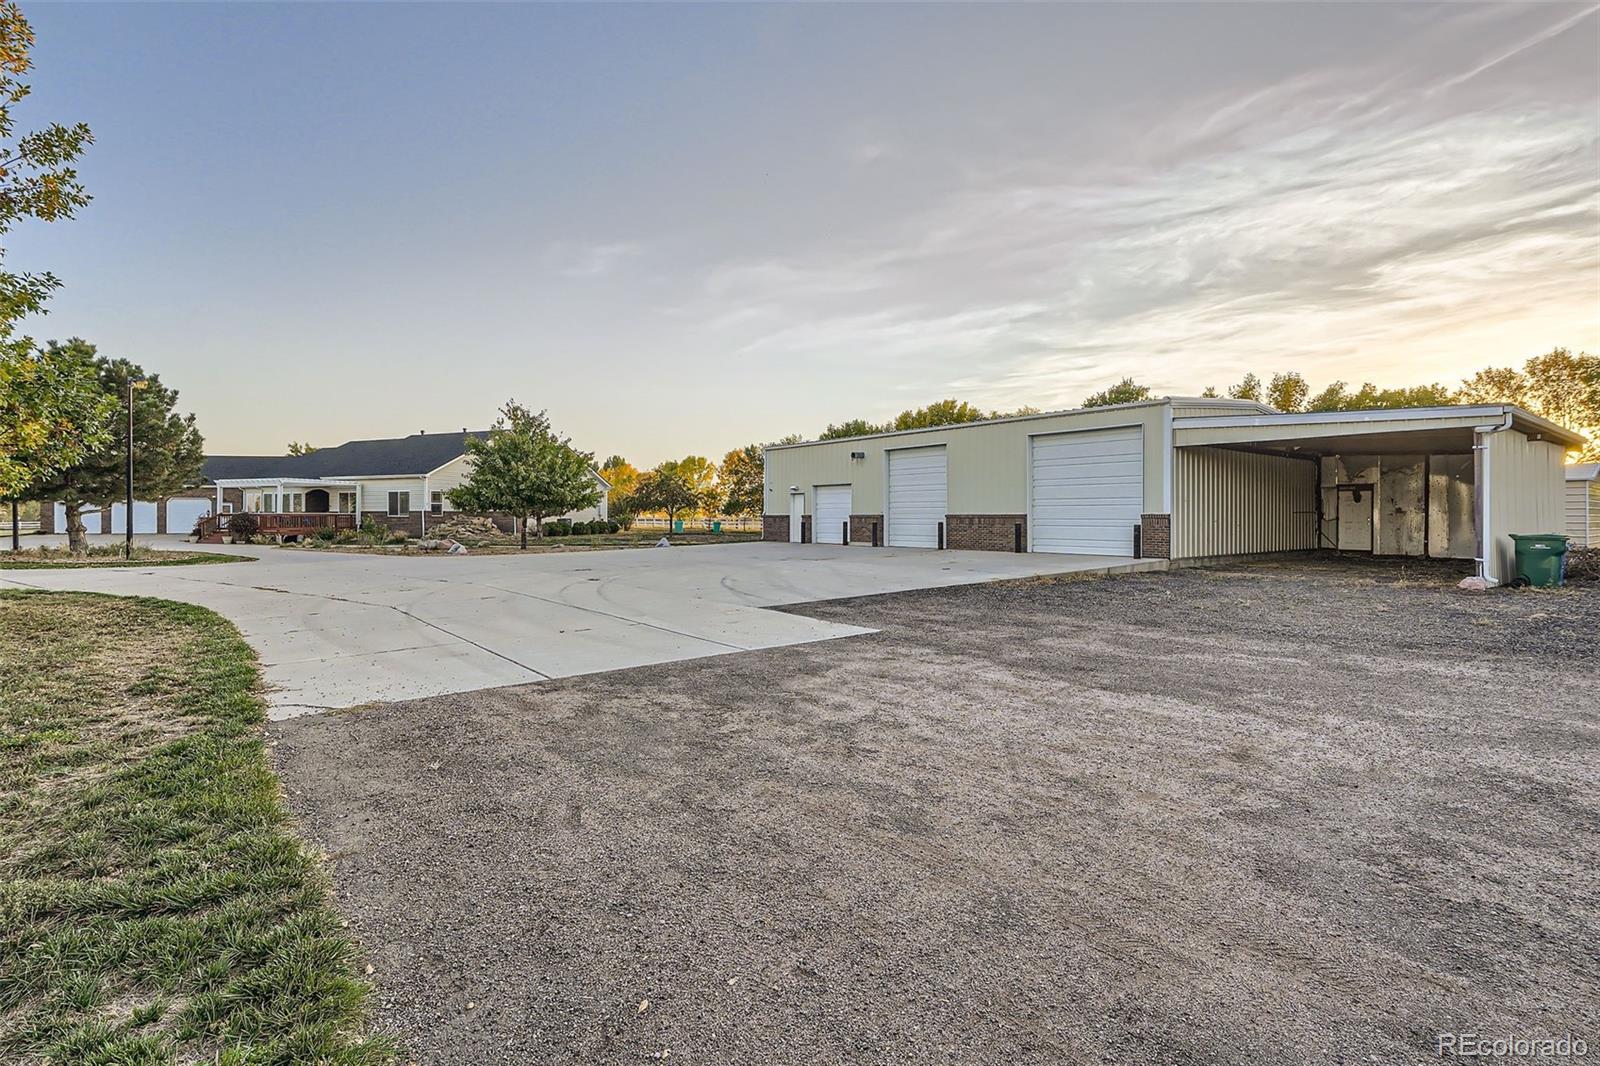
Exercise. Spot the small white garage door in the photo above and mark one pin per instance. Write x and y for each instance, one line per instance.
(144, 517)
(918, 497)
(1088, 491)
(833, 511)
(182, 514)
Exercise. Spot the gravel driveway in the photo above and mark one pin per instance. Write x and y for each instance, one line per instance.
(1272, 814)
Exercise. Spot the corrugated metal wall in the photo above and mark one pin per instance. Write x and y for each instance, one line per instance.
(1236, 503)
(1583, 513)
(1527, 494)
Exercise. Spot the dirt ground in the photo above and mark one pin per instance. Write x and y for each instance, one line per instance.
(1269, 814)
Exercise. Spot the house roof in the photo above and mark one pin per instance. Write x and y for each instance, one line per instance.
(1583, 472)
(417, 454)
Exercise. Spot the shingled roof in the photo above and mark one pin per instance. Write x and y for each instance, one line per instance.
(417, 454)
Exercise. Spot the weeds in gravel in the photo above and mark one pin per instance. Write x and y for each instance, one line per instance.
(154, 906)
(47, 558)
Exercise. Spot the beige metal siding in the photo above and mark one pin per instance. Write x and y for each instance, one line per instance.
(1583, 513)
(1238, 503)
(988, 462)
(1527, 494)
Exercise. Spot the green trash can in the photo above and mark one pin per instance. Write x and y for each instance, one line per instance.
(716, 526)
(1541, 559)
(677, 525)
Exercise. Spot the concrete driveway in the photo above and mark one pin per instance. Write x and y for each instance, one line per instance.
(339, 630)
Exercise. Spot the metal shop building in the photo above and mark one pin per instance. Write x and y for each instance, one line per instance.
(1186, 479)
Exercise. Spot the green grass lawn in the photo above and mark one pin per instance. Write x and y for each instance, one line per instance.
(154, 905)
(108, 555)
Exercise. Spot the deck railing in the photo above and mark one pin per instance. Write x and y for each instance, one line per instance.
(280, 523)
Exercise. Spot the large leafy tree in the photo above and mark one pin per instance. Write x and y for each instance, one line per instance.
(742, 479)
(851, 427)
(1124, 391)
(168, 450)
(939, 413)
(524, 468)
(50, 413)
(1558, 385)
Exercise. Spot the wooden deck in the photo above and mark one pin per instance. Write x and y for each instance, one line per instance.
(277, 525)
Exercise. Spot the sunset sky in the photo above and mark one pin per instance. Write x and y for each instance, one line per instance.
(686, 228)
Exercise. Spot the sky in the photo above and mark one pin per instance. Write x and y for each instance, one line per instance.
(682, 229)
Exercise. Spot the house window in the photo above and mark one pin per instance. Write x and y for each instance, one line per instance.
(294, 502)
(227, 508)
(269, 502)
(436, 503)
(399, 504)
(347, 503)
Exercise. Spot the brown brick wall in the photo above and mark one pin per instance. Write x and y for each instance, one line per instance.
(861, 528)
(775, 527)
(1155, 536)
(410, 523)
(985, 532)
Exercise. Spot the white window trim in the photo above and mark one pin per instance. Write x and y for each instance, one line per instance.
(394, 495)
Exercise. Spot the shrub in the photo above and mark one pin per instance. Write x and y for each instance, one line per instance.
(1583, 564)
(325, 534)
(398, 537)
(613, 527)
(346, 536)
(244, 527)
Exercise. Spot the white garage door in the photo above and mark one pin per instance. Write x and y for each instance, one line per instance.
(918, 496)
(144, 517)
(182, 514)
(1088, 491)
(89, 515)
(833, 511)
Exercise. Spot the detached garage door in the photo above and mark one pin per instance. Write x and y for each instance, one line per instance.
(144, 517)
(1088, 491)
(918, 496)
(184, 512)
(89, 515)
(833, 511)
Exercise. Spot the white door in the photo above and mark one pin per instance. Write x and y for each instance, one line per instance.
(144, 517)
(1355, 518)
(1087, 491)
(183, 513)
(797, 516)
(833, 513)
(918, 497)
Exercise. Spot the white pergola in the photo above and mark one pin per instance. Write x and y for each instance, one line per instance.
(279, 485)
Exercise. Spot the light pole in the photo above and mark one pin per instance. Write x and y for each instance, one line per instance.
(127, 514)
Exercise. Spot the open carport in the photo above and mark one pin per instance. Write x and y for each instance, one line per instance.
(1442, 483)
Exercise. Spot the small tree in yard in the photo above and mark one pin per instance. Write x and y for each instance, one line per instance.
(522, 468)
(667, 488)
(167, 448)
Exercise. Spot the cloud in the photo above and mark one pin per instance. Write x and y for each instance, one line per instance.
(1338, 219)
(586, 261)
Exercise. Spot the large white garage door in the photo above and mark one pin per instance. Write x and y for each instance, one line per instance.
(144, 517)
(918, 496)
(833, 511)
(89, 515)
(1088, 491)
(182, 514)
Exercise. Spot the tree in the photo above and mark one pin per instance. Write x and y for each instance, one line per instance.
(50, 415)
(701, 475)
(1248, 389)
(1337, 397)
(1288, 392)
(743, 480)
(939, 413)
(301, 447)
(855, 427)
(1124, 391)
(1558, 385)
(167, 454)
(53, 414)
(523, 468)
(623, 477)
(666, 488)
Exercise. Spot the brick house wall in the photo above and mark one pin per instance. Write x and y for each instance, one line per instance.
(1155, 536)
(861, 528)
(775, 527)
(985, 532)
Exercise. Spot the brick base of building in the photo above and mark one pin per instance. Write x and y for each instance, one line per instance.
(985, 532)
(1155, 536)
(776, 527)
(410, 523)
(861, 529)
